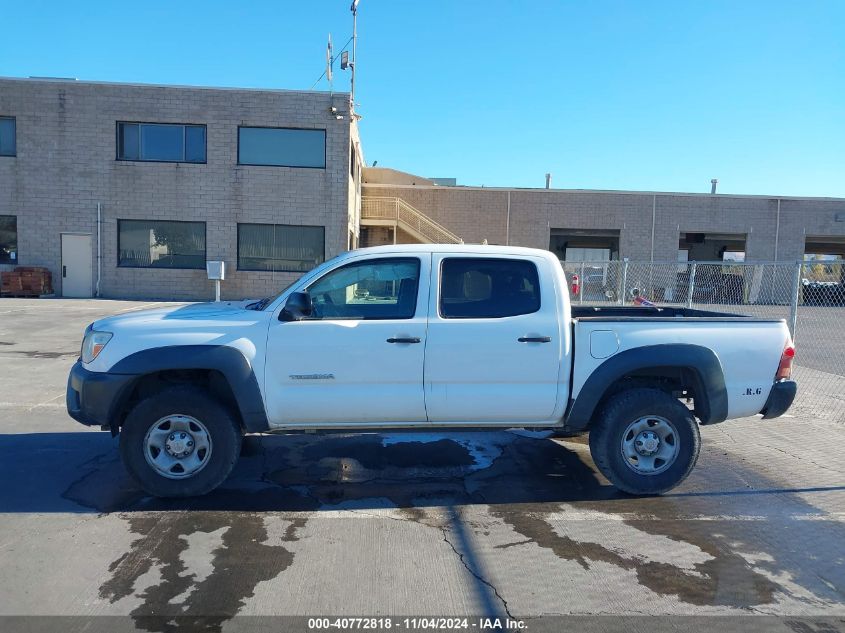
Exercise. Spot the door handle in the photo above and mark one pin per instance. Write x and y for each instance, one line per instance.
(535, 339)
(409, 339)
(64, 271)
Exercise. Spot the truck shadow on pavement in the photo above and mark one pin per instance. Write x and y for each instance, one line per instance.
(82, 472)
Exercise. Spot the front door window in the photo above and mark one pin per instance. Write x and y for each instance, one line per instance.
(371, 290)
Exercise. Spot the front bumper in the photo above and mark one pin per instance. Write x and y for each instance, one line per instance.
(93, 398)
(780, 399)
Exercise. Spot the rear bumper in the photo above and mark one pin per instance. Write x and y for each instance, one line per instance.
(780, 399)
(93, 397)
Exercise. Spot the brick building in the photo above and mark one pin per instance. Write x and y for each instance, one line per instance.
(265, 180)
(641, 226)
(126, 190)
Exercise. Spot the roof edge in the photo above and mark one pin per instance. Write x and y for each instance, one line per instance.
(607, 191)
(74, 81)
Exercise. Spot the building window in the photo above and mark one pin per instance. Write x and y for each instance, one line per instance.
(161, 142)
(8, 239)
(683, 258)
(352, 163)
(282, 147)
(584, 245)
(477, 288)
(733, 256)
(160, 244)
(370, 290)
(8, 133)
(280, 247)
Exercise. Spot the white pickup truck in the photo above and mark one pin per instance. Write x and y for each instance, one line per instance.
(424, 336)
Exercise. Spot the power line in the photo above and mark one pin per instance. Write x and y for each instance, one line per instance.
(334, 57)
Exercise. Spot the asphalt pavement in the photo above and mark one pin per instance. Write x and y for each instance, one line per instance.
(506, 524)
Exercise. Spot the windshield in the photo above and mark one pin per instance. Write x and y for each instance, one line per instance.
(267, 301)
(263, 303)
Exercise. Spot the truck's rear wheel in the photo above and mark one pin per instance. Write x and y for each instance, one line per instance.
(179, 443)
(645, 441)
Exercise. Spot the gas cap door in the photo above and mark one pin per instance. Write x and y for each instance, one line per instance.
(603, 343)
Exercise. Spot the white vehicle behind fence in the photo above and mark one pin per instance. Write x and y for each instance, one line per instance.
(425, 336)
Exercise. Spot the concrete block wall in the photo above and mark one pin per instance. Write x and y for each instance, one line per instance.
(526, 217)
(66, 164)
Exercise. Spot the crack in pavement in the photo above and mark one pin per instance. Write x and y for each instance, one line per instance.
(455, 521)
(810, 461)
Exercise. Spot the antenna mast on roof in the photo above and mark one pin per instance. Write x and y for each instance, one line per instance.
(329, 62)
(354, 9)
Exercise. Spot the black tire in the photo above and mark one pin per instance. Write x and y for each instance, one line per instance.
(222, 428)
(606, 435)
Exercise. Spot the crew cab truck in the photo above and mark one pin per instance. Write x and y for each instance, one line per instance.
(426, 337)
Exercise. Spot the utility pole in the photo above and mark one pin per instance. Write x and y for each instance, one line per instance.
(354, 9)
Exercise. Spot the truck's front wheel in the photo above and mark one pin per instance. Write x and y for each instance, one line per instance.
(179, 443)
(645, 441)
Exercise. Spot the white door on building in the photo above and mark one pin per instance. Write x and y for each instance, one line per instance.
(77, 265)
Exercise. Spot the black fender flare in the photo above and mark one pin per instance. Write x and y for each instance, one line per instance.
(230, 362)
(704, 364)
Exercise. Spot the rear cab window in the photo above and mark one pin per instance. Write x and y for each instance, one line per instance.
(488, 288)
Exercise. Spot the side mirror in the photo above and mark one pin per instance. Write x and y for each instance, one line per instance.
(635, 292)
(297, 307)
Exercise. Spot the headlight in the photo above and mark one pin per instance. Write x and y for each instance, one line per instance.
(93, 344)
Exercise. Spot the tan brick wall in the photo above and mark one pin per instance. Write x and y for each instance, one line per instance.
(476, 214)
(65, 165)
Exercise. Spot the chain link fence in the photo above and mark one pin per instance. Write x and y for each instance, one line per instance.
(809, 296)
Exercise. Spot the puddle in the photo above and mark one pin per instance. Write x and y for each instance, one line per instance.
(376, 453)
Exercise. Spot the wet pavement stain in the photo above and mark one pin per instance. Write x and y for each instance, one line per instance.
(47, 355)
(530, 483)
(176, 602)
(372, 454)
(529, 471)
(725, 580)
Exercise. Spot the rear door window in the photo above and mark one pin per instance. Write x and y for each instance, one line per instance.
(488, 288)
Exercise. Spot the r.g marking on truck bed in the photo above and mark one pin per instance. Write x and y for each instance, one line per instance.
(753, 391)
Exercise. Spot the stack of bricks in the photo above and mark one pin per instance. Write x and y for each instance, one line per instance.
(26, 281)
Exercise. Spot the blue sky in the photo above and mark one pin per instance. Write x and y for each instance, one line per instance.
(609, 94)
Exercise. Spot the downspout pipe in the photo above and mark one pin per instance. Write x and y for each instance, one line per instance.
(99, 248)
(508, 222)
(653, 223)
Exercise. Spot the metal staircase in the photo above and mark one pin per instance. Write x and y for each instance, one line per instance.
(398, 214)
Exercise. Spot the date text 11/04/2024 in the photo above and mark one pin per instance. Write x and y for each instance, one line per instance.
(428, 623)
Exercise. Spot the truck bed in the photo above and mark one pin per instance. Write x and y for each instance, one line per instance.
(748, 349)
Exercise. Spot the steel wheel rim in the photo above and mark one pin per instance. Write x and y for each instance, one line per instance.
(177, 446)
(650, 445)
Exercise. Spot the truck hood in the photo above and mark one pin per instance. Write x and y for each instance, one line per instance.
(184, 316)
(226, 323)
